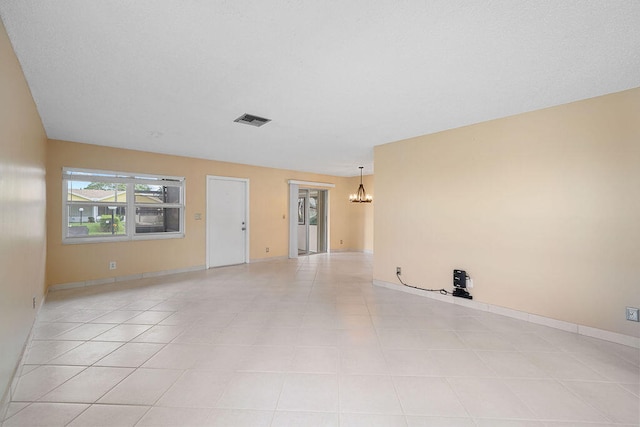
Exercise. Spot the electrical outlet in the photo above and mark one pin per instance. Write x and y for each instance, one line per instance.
(340, 241)
(398, 270)
(112, 265)
(266, 250)
(632, 314)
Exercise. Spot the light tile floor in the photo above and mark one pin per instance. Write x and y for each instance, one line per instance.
(307, 342)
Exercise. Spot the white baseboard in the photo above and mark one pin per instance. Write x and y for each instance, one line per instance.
(82, 284)
(521, 315)
(354, 251)
(273, 258)
(176, 271)
(7, 394)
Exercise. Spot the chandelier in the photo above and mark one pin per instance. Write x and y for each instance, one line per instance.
(361, 196)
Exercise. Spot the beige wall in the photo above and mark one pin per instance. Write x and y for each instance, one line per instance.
(268, 204)
(22, 211)
(542, 209)
(360, 216)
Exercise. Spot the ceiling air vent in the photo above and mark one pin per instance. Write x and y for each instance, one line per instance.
(249, 119)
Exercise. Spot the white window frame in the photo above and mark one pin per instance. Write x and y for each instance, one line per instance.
(130, 179)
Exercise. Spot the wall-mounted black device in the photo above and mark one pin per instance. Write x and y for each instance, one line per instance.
(460, 284)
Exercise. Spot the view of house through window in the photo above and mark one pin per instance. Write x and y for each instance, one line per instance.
(114, 205)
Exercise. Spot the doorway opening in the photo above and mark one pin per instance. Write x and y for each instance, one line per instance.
(312, 221)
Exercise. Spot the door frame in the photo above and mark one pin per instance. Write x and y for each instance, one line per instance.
(322, 226)
(210, 179)
(294, 186)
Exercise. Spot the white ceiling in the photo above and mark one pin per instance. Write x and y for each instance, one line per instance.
(335, 77)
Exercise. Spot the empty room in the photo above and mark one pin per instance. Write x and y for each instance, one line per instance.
(395, 213)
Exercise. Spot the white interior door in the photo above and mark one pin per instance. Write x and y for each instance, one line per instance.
(227, 221)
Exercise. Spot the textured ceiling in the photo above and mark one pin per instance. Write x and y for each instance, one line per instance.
(335, 77)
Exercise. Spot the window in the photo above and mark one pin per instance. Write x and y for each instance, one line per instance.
(104, 206)
(313, 208)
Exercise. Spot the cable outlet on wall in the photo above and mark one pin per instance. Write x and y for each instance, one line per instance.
(112, 265)
(632, 314)
(266, 249)
(398, 270)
